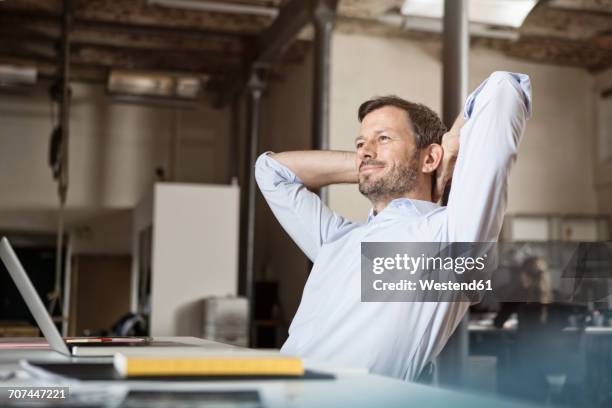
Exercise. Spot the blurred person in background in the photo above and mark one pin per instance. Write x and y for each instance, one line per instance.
(545, 354)
(532, 285)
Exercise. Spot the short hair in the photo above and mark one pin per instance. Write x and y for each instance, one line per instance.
(425, 123)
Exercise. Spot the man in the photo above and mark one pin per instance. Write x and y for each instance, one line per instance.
(398, 151)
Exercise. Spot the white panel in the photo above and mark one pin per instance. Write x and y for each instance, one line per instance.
(604, 113)
(580, 229)
(529, 229)
(510, 13)
(195, 253)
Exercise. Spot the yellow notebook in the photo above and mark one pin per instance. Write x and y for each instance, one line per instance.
(220, 365)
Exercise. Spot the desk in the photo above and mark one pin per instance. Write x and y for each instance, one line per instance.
(351, 388)
(598, 350)
(488, 340)
(589, 362)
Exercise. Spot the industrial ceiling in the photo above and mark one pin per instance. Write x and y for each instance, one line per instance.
(222, 43)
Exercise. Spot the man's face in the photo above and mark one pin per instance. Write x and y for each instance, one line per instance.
(387, 158)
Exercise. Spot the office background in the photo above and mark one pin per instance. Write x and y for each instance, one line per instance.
(130, 146)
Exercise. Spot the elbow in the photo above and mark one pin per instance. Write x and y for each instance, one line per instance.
(260, 167)
(504, 84)
(512, 88)
(269, 173)
(498, 76)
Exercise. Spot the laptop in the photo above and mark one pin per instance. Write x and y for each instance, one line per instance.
(76, 346)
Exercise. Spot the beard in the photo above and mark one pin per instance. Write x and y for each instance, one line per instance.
(396, 182)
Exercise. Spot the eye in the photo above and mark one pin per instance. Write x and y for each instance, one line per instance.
(384, 138)
(359, 145)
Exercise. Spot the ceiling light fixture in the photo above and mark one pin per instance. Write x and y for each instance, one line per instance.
(153, 84)
(502, 13)
(13, 76)
(216, 6)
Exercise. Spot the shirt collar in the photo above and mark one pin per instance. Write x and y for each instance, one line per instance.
(407, 204)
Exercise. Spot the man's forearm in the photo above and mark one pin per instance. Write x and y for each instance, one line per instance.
(320, 168)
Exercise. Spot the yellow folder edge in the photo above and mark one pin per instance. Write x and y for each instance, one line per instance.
(237, 366)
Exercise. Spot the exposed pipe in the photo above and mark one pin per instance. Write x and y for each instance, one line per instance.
(246, 281)
(55, 298)
(323, 20)
(233, 151)
(456, 42)
(65, 99)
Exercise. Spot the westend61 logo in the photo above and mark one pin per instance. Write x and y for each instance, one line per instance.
(467, 271)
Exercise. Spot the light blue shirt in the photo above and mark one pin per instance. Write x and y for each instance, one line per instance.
(332, 325)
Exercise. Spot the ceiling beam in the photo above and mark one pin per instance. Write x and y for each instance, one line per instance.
(36, 7)
(37, 41)
(119, 58)
(167, 58)
(135, 15)
(157, 62)
(293, 17)
(128, 38)
(133, 34)
(575, 53)
(162, 30)
(140, 12)
(367, 9)
(600, 6)
(22, 27)
(566, 24)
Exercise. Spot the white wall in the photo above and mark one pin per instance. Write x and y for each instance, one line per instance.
(554, 171)
(114, 151)
(367, 66)
(603, 122)
(109, 233)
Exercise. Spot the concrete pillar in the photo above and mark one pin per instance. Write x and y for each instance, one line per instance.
(455, 50)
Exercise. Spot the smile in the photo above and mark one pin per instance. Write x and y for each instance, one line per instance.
(370, 169)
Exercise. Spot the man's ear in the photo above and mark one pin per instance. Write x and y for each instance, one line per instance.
(432, 158)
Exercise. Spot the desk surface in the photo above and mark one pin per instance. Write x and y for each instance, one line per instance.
(351, 388)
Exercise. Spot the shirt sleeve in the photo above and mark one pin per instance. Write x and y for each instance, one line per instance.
(308, 221)
(496, 115)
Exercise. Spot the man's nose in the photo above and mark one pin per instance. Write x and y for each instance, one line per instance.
(367, 151)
